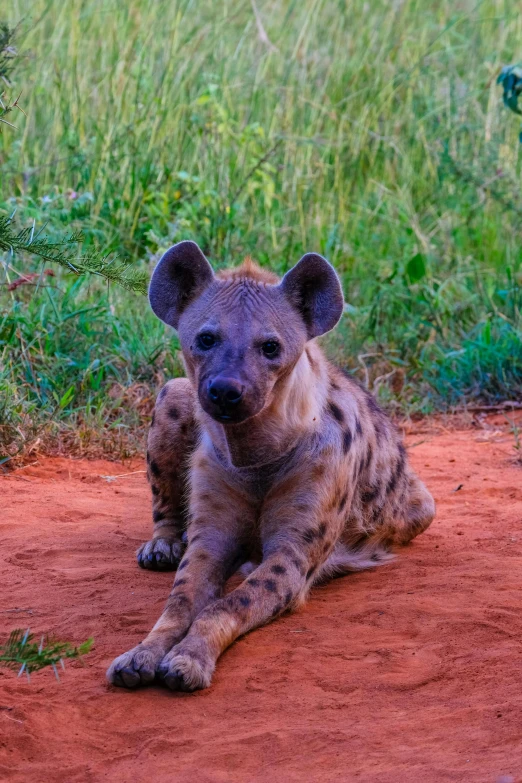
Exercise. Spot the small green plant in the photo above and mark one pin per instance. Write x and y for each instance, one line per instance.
(21, 652)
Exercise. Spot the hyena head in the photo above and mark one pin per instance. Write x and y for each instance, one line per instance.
(242, 331)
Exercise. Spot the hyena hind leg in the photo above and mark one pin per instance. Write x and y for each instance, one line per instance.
(416, 515)
(413, 518)
(171, 440)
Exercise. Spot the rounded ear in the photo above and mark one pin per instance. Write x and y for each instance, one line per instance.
(181, 275)
(314, 289)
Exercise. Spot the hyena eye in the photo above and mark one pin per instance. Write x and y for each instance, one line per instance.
(270, 348)
(206, 341)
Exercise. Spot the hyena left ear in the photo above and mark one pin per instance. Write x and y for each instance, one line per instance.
(181, 275)
(314, 289)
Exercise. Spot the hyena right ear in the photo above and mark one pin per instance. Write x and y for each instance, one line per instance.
(181, 275)
(313, 288)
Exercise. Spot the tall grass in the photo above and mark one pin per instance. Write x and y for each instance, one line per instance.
(372, 132)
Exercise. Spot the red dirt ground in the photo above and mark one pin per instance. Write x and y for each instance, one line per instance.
(412, 672)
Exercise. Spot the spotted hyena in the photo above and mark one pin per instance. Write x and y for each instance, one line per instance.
(265, 454)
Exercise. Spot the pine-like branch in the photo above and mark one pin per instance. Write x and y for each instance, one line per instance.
(22, 653)
(62, 253)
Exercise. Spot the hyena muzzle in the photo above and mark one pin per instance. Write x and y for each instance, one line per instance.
(265, 454)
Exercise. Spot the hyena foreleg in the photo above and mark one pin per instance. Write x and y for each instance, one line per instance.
(208, 562)
(293, 551)
(274, 586)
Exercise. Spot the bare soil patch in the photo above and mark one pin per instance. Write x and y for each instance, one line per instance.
(411, 672)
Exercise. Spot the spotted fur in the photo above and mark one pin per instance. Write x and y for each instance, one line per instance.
(306, 479)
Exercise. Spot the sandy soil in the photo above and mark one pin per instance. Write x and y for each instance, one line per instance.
(408, 673)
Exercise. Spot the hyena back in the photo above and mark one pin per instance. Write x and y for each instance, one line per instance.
(266, 453)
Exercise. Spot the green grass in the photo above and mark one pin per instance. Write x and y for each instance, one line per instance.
(373, 132)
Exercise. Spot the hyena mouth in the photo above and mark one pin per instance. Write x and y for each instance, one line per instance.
(229, 418)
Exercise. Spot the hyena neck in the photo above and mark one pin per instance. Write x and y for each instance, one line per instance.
(293, 413)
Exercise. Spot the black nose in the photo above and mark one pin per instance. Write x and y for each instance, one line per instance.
(225, 391)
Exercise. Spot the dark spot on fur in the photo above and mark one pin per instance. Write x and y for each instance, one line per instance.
(195, 537)
(335, 386)
(392, 483)
(155, 468)
(302, 507)
(369, 457)
(288, 596)
(148, 458)
(373, 406)
(174, 413)
(162, 394)
(157, 516)
(358, 428)
(253, 582)
(342, 502)
(270, 585)
(309, 536)
(202, 556)
(182, 599)
(321, 530)
(155, 490)
(347, 441)
(335, 411)
(153, 420)
(183, 429)
(244, 600)
(375, 557)
(277, 609)
(179, 582)
(184, 563)
(278, 569)
(310, 572)
(399, 470)
(370, 495)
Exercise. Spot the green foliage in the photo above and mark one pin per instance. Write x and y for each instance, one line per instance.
(7, 51)
(61, 252)
(486, 367)
(23, 654)
(69, 365)
(7, 56)
(371, 132)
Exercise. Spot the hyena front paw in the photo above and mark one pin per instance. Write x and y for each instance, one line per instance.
(135, 667)
(160, 554)
(188, 666)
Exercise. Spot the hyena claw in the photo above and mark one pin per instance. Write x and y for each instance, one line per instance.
(160, 554)
(134, 668)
